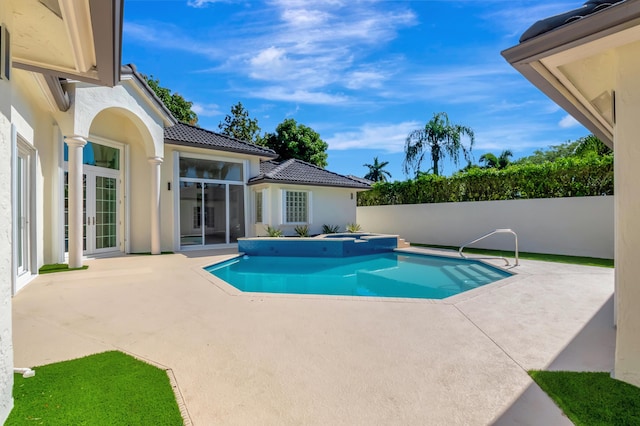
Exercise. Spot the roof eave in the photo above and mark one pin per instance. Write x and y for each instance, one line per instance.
(106, 22)
(526, 57)
(218, 148)
(132, 73)
(293, 182)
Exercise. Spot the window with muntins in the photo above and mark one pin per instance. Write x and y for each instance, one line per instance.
(296, 206)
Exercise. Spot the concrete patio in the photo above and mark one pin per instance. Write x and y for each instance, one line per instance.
(284, 359)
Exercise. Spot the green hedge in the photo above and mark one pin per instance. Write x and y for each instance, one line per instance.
(566, 177)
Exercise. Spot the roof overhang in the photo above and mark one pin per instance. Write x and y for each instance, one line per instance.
(75, 39)
(264, 156)
(574, 65)
(266, 180)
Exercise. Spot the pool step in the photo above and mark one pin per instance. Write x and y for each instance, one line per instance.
(487, 272)
(402, 243)
(467, 276)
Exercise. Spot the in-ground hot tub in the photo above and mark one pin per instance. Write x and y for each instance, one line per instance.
(332, 245)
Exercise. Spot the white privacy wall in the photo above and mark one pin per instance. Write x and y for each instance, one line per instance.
(579, 226)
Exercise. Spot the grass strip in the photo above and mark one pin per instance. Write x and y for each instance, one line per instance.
(544, 257)
(109, 388)
(591, 398)
(58, 267)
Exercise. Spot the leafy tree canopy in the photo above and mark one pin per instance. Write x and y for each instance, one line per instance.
(179, 106)
(585, 146)
(440, 138)
(239, 125)
(491, 161)
(377, 173)
(293, 140)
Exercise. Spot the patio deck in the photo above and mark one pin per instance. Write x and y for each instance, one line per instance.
(286, 359)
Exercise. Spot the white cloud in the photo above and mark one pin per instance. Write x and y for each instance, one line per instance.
(168, 36)
(365, 79)
(278, 93)
(386, 137)
(568, 122)
(516, 16)
(204, 3)
(206, 110)
(315, 47)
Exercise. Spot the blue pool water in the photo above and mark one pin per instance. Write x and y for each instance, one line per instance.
(380, 275)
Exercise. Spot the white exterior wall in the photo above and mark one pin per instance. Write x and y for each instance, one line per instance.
(6, 271)
(580, 226)
(329, 206)
(627, 176)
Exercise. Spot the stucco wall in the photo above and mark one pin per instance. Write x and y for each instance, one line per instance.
(581, 226)
(627, 174)
(330, 206)
(6, 346)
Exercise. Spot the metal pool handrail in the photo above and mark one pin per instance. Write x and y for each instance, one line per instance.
(495, 231)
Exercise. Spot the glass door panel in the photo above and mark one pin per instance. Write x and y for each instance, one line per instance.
(190, 213)
(23, 236)
(106, 211)
(215, 214)
(236, 212)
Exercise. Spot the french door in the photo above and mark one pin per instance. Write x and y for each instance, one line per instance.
(100, 210)
(23, 214)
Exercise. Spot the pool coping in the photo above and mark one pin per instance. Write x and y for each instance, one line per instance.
(231, 290)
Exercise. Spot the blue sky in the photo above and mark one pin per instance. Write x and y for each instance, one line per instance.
(363, 74)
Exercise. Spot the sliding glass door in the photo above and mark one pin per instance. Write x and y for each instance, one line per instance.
(211, 207)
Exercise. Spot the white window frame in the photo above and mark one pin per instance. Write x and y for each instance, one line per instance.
(284, 207)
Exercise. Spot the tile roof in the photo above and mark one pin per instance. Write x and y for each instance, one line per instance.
(185, 134)
(545, 25)
(295, 171)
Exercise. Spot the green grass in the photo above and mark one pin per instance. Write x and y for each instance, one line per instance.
(109, 388)
(591, 398)
(558, 258)
(58, 267)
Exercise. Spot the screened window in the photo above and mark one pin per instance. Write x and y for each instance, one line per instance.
(259, 207)
(296, 207)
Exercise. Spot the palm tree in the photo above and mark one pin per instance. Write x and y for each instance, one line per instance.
(491, 161)
(441, 139)
(376, 171)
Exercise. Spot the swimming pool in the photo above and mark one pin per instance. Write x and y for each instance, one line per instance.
(392, 274)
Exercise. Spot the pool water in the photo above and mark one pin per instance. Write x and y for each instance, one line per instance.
(380, 275)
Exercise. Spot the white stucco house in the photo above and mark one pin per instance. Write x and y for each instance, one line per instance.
(92, 162)
(587, 60)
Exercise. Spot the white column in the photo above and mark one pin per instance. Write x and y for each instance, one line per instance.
(76, 144)
(627, 215)
(155, 204)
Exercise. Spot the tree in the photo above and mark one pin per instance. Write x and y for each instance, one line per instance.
(239, 125)
(179, 106)
(491, 161)
(376, 171)
(584, 146)
(591, 145)
(440, 138)
(293, 140)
